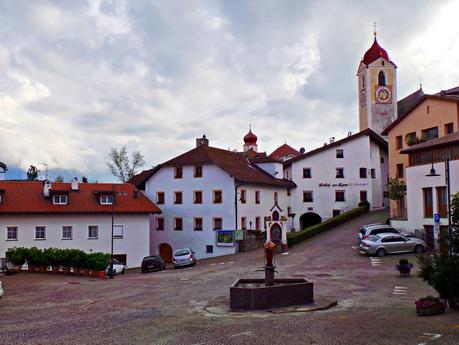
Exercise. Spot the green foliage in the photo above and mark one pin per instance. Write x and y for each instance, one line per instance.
(296, 237)
(59, 178)
(84, 179)
(17, 255)
(35, 257)
(403, 262)
(396, 189)
(364, 204)
(442, 271)
(79, 259)
(53, 256)
(98, 261)
(32, 173)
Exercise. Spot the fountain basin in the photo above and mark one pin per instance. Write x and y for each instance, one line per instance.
(252, 294)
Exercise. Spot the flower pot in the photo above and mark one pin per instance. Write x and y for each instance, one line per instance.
(429, 308)
(66, 270)
(99, 274)
(31, 268)
(404, 269)
(55, 269)
(17, 268)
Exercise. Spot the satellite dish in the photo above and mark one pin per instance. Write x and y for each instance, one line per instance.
(302, 150)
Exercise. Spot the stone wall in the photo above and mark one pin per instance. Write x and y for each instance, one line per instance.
(251, 241)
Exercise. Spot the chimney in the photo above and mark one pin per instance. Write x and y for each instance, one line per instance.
(202, 141)
(74, 184)
(332, 140)
(46, 188)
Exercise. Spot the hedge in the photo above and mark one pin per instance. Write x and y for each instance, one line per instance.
(296, 237)
(56, 257)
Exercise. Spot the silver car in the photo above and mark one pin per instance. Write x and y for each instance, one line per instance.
(183, 257)
(375, 229)
(384, 243)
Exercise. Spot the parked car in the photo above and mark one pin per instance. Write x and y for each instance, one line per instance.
(118, 267)
(1, 289)
(384, 243)
(374, 229)
(153, 263)
(183, 257)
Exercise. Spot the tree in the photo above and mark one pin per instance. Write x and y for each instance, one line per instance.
(59, 178)
(442, 270)
(123, 167)
(84, 179)
(396, 188)
(32, 173)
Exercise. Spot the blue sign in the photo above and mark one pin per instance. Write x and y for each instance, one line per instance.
(437, 217)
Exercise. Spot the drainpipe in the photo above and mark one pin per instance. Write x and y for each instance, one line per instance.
(236, 186)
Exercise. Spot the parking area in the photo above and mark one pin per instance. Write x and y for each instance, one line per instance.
(375, 303)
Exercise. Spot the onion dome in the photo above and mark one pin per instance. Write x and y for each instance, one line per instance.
(250, 138)
(374, 53)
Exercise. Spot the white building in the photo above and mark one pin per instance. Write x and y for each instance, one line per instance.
(207, 193)
(336, 177)
(76, 215)
(427, 195)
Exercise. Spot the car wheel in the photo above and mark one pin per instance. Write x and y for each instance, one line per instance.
(381, 252)
(114, 272)
(419, 249)
(123, 271)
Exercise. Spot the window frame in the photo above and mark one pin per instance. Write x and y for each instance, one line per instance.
(89, 232)
(214, 223)
(160, 200)
(365, 170)
(178, 172)
(176, 200)
(60, 201)
(159, 220)
(63, 232)
(7, 228)
(243, 198)
(399, 170)
(243, 223)
(195, 223)
(307, 172)
(339, 153)
(340, 176)
(105, 199)
(44, 233)
(343, 193)
(118, 237)
(427, 212)
(176, 228)
(399, 142)
(257, 197)
(216, 192)
(198, 171)
(308, 192)
(195, 199)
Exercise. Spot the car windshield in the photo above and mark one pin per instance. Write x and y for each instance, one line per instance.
(374, 238)
(362, 231)
(182, 252)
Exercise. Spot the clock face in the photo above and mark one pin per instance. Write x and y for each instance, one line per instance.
(363, 98)
(383, 94)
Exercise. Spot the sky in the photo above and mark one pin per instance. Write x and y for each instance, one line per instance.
(80, 77)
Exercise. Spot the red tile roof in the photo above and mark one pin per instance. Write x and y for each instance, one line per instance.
(284, 151)
(26, 197)
(234, 163)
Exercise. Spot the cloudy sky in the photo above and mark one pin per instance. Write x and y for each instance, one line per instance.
(80, 77)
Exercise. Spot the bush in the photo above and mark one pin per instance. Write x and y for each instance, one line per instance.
(17, 255)
(53, 256)
(365, 204)
(35, 257)
(98, 261)
(79, 259)
(296, 237)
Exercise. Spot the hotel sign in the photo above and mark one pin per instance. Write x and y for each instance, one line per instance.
(327, 185)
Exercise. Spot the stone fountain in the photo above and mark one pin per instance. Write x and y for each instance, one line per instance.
(252, 294)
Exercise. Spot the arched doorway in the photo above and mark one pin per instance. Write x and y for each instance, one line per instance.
(165, 251)
(276, 233)
(309, 219)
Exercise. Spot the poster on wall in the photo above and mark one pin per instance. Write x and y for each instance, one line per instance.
(239, 235)
(225, 238)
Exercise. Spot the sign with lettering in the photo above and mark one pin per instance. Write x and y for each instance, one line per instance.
(323, 184)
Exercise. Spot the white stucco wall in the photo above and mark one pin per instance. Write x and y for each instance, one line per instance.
(273, 168)
(323, 171)
(213, 178)
(378, 184)
(416, 180)
(135, 241)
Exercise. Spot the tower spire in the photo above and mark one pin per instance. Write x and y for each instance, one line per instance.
(374, 26)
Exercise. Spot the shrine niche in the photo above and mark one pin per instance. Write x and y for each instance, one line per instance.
(276, 226)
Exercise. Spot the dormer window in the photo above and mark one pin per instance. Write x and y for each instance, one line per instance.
(60, 199)
(106, 199)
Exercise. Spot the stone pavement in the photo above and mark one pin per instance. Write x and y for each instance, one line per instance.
(375, 304)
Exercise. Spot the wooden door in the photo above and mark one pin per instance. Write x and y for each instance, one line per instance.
(165, 251)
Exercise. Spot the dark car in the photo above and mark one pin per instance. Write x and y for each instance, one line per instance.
(153, 263)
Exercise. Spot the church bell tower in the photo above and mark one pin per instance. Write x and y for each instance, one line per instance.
(377, 82)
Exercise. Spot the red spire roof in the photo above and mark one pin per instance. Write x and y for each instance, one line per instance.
(374, 53)
(250, 138)
(284, 151)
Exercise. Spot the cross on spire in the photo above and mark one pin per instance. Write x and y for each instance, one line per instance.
(374, 26)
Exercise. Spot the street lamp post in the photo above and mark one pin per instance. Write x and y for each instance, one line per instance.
(110, 270)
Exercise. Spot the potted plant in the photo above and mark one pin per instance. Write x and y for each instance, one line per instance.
(17, 256)
(33, 258)
(404, 266)
(429, 306)
(97, 264)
